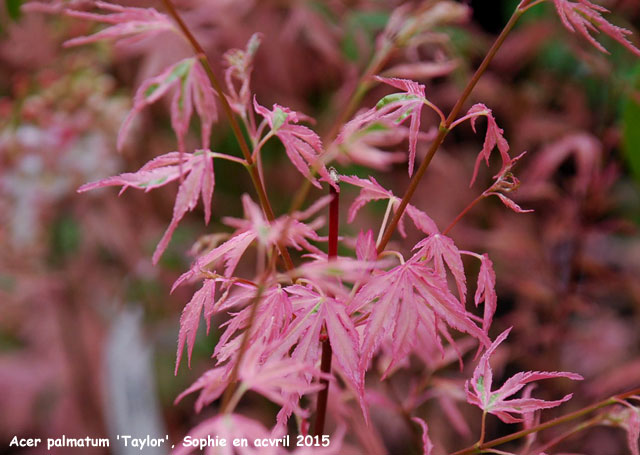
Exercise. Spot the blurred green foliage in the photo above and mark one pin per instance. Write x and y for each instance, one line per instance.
(13, 8)
(65, 238)
(364, 23)
(631, 127)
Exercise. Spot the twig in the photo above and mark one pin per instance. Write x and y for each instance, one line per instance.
(327, 353)
(244, 147)
(444, 128)
(551, 423)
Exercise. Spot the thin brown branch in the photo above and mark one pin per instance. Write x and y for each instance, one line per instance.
(244, 344)
(463, 213)
(444, 129)
(226, 107)
(549, 424)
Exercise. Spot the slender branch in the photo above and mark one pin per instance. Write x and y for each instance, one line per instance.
(323, 395)
(385, 219)
(259, 145)
(327, 353)
(226, 107)
(524, 8)
(363, 85)
(201, 55)
(444, 128)
(463, 213)
(230, 397)
(233, 159)
(483, 427)
(549, 424)
(567, 434)
(334, 218)
(374, 67)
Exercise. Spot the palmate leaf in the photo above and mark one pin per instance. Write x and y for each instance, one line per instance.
(485, 291)
(585, 17)
(313, 311)
(165, 169)
(492, 139)
(128, 24)
(302, 145)
(407, 104)
(187, 77)
(441, 250)
(393, 109)
(364, 146)
(409, 298)
(283, 231)
(272, 318)
(480, 393)
(275, 375)
(192, 88)
(203, 299)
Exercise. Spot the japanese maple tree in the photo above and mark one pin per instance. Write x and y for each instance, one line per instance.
(371, 308)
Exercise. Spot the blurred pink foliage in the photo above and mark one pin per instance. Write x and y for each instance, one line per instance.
(279, 305)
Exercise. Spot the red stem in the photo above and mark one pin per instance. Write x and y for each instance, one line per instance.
(327, 353)
(334, 214)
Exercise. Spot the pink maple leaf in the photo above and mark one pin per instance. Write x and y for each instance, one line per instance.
(485, 291)
(271, 320)
(274, 375)
(584, 149)
(313, 311)
(584, 17)
(395, 109)
(229, 253)
(330, 276)
(162, 170)
(399, 106)
(492, 138)
(366, 246)
(405, 300)
(192, 88)
(495, 402)
(302, 145)
(364, 145)
(371, 190)
(283, 231)
(211, 384)
(129, 24)
(203, 299)
(289, 230)
(238, 74)
(440, 249)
